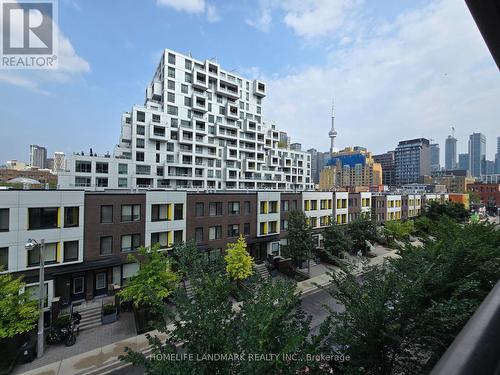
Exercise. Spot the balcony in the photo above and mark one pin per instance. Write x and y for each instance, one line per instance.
(200, 78)
(232, 111)
(259, 88)
(199, 103)
(228, 89)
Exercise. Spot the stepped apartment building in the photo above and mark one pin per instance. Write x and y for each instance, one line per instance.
(200, 127)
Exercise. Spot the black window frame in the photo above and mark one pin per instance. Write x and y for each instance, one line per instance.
(2, 213)
(42, 210)
(101, 215)
(101, 253)
(67, 259)
(134, 207)
(66, 216)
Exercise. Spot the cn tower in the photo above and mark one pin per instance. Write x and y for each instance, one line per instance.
(332, 133)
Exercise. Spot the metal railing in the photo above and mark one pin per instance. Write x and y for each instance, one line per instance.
(476, 349)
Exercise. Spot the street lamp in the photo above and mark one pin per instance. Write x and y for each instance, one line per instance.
(31, 245)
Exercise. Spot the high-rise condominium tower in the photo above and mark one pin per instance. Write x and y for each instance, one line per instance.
(38, 156)
(200, 127)
(450, 153)
(477, 153)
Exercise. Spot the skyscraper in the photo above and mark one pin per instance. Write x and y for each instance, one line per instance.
(59, 161)
(497, 157)
(477, 153)
(413, 160)
(463, 162)
(450, 153)
(435, 165)
(388, 167)
(38, 156)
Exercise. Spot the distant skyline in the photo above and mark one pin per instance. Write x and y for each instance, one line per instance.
(397, 69)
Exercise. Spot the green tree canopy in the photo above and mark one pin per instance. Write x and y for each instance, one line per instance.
(361, 230)
(300, 244)
(18, 313)
(335, 240)
(435, 210)
(154, 280)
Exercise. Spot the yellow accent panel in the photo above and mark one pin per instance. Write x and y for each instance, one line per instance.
(169, 238)
(58, 252)
(266, 209)
(59, 217)
(169, 212)
(265, 228)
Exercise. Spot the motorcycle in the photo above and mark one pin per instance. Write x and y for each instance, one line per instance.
(66, 332)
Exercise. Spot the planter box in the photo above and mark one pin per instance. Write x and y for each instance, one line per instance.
(108, 318)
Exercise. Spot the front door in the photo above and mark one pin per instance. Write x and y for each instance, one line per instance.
(77, 288)
(101, 283)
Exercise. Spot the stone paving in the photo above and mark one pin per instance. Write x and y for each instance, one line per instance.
(87, 340)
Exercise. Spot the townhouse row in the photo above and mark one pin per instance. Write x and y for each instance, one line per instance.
(89, 235)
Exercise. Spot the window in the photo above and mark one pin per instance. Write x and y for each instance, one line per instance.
(71, 216)
(171, 85)
(188, 64)
(83, 166)
(215, 233)
(199, 209)
(122, 169)
(101, 181)
(263, 207)
(233, 230)
(106, 246)
(177, 237)
(171, 97)
(159, 212)
(273, 228)
(82, 181)
(70, 251)
(4, 258)
(131, 212)
(139, 156)
(284, 224)
(184, 88)
(142, 169)
(140, 116)
(285, 205)
(160, 238)
(178, 211)
(106, 214)
(273, 207)
(246, 229)
(188, 78)
(246, 208)
(50, 254)
(140, 130)
(101, 167)
(172, 110)
(139, 143)
(234, 208)
(171, 72)
(42, 218)
(215, 209)
(171, 58)
(130, 242)
(198, 234)
(4, 219)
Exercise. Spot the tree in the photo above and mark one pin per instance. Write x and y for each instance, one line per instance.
(361, 230)
(18, 313)
(300, 244)
(406, 314)
(239, 264)
(435, 210)
(154, 280)
(335, 240)
(398, 230)
(270, 320)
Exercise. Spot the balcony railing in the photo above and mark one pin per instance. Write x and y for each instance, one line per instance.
(475, 349)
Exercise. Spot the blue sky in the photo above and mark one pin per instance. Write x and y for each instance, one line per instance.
(397, 69)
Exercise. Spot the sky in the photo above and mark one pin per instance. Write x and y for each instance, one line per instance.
(397, 69)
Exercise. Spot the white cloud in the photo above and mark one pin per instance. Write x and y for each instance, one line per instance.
(263, 20)
(426, 71)
(212, 14)
(193, 7)
(190, 6)
(307, 18)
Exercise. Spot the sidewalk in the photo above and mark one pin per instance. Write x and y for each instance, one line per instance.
(104, 359)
